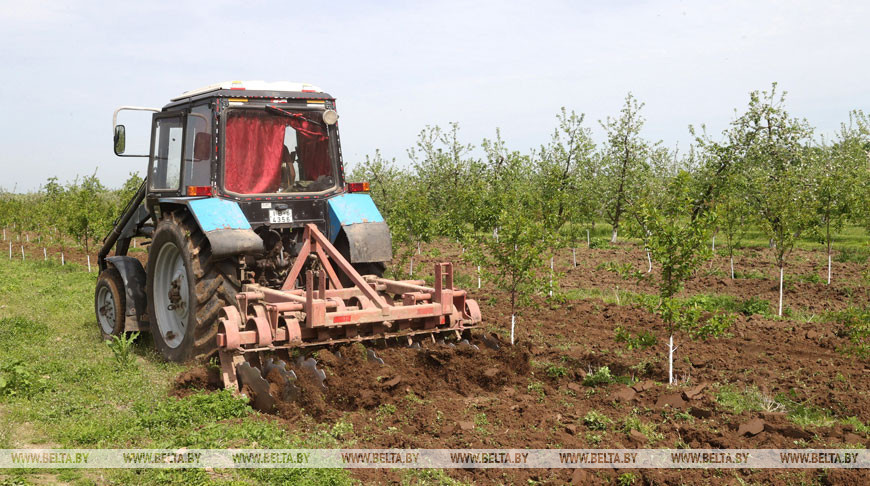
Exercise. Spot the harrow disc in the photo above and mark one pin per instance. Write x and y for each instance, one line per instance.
(251, 378)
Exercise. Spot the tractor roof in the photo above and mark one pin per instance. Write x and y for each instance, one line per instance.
(251, 89)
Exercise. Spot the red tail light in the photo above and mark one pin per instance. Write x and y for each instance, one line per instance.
(199, 190)
(358, 187)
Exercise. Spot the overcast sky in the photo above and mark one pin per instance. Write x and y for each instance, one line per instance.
(398, 66)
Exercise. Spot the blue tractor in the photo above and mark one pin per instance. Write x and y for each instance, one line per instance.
(244, 208)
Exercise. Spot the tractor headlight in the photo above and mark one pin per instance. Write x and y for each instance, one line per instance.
(330, 117)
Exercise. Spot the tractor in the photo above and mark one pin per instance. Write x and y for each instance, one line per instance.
(259, 251)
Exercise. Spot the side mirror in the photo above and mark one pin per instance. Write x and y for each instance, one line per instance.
(120, 139)
(202, 146)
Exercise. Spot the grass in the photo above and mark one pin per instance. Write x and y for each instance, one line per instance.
(65, 388)
(800, 412)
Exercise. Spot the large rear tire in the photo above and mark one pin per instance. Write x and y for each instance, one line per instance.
(186, 289)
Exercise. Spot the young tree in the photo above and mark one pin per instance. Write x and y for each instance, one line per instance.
(624, 162)
(836, 173)
(732, 217)
(514, 260)
(88, 214)
(678, 244)
(448, 177)
(771, 149)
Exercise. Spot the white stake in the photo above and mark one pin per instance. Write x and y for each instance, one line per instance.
(62, 262)
(551, 276)
(44, 254)
(10, 250)
(732, 268)
(4, 234)
(412, 267)
(134, 243)
(588, 244)
(89, 264)
(478, 276)
(418, 247)
(617, 294)
(829, 269)
(780, 291)
(574, 254)
(28, 237)
(513, 322)
(649, 260)
(22, 253)
(671, 360)
(496, 235)
(714, 243)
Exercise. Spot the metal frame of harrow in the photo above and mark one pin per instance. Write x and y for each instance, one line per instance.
(326, 313)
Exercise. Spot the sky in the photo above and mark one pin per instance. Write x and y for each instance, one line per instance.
(396, 67)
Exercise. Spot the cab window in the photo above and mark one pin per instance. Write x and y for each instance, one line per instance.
(198, 147)
(166, 154)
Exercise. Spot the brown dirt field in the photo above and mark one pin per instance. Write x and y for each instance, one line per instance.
(532, 395)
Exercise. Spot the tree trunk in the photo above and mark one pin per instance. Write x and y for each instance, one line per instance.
(574, 255)
(613, 236)
(780, 289)
(732, 268)
(551, 276)
(829, 267)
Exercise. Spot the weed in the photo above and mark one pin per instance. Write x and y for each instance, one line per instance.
(480, 419)
(626, 479)
(633, 422)
(624, 270)
(556, 371)
(121, 346)
(595, 420)
(538, 388)
(594, 439)
(16, 380)
(601, 376)
(755, 305)
(642, 340)
(386, 409)
(855, 325)
(855, 255)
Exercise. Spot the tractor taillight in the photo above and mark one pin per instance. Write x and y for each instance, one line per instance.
(199, 190)
(358, 187)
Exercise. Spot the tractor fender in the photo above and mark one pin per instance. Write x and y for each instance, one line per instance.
(224, 224)
(367, 233)
(133, 276)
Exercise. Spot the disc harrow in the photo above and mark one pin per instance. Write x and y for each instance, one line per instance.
(314, 310)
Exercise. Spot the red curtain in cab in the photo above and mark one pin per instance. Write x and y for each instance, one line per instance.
(253, 153)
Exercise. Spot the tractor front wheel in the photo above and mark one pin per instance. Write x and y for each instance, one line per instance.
(186, 289)
(109, 303)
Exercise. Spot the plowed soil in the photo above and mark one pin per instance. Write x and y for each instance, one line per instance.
(532, 395)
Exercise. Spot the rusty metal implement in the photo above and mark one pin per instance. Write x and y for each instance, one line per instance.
(323, 312)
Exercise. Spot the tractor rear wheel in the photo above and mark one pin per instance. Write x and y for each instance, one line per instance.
(186, 289)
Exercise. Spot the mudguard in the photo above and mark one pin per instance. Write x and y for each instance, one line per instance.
(133, 276)
(226, 227)
(367, 233)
